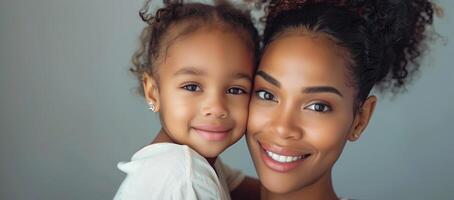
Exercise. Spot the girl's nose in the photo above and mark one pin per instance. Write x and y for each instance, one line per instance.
(215, 107)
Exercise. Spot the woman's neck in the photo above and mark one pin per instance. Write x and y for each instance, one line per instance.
(322, 189)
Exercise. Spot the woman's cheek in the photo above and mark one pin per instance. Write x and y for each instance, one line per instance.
(328, 135)
(256, 117)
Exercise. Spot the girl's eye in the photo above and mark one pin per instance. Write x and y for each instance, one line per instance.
(236, 91)
(192, 88)
(319, 107)
(262, 94)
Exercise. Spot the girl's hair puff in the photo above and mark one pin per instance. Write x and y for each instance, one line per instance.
(177, 19)
(384, 39)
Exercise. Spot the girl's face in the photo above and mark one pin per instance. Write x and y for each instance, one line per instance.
(301, 113)
(203, 90)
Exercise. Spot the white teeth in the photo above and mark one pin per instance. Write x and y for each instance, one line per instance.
(281, 158)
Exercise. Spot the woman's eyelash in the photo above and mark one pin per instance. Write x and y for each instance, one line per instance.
(265, 95)
(319, 107)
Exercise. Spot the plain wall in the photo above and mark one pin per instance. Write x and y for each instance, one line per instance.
(69, 113)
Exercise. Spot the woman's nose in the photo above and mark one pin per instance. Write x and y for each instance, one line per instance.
(285, 125)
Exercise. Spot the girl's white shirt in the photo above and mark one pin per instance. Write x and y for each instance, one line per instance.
(171, 171)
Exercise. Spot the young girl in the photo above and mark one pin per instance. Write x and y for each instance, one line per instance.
(319, 64)
(195, 67)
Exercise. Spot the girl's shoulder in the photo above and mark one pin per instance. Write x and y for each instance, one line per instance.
(161, 170)
(163, 150)
(176, 160)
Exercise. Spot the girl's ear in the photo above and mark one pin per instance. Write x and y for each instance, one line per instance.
(362, 118)
(151, 91)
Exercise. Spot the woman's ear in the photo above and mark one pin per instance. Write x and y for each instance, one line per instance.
(151, 91)
(362, 118)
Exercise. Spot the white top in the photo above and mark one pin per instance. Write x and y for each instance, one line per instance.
(172, 171)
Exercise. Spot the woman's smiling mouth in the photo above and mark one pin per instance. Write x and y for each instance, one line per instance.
(281, 159)
(285, 159)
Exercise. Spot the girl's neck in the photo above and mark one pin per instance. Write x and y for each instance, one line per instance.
(211, 161)
(162, 137)
(322, 189)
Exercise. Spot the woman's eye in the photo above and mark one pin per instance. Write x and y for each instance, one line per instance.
(192, 88)
(262, 94)
(236, 91)
(319, 107)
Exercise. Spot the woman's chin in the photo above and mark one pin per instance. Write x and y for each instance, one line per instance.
(278, 186)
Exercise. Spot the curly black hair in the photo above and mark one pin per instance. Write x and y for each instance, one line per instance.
(178, 18)
(384, 38)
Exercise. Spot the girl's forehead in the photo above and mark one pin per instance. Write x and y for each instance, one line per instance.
(208, 53)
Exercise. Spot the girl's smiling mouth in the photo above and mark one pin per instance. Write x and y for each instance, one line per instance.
(212, 132)
(281, 159)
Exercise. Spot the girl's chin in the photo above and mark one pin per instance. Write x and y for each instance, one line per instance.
(211, 152)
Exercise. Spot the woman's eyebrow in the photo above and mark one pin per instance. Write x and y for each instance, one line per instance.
(268, 78)
(314, 89)
(321, 89)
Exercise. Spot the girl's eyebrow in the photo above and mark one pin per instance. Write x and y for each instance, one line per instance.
(189, 71)
(243, 76)
(197, 72)
(268, 78)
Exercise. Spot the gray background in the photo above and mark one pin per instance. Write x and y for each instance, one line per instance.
(68, 111)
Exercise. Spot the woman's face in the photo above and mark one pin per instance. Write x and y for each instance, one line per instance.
(301, 114)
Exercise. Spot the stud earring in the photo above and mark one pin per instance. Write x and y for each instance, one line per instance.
(151, 106)
(355, 135)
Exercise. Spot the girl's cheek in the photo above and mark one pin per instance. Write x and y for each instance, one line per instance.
(241, 113)
(174, 104)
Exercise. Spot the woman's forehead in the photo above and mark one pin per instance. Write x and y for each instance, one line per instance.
(300, 61)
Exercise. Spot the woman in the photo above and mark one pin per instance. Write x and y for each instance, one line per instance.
(319, 64)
